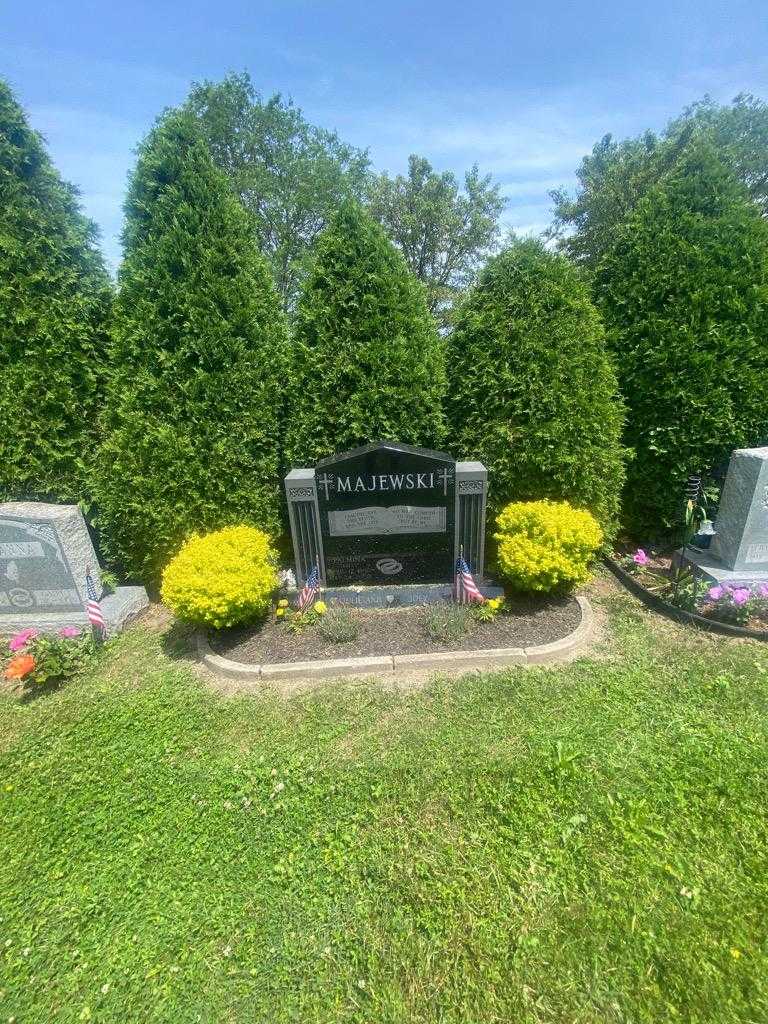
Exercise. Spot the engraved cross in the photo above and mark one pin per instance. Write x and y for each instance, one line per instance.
(325, 482)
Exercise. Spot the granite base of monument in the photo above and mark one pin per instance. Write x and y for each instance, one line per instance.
(399, 596)
(713, 571)
(119, 608)
(45, 554)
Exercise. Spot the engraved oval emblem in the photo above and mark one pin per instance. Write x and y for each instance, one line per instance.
(21, 598)
(389, 566)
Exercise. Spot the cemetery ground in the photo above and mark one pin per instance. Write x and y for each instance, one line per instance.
(580, 843)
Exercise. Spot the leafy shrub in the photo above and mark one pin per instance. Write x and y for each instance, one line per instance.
(545, 545)
(532, 391)
(448, 623)
(338, 625)
(55, 299)
(36, 658)
(368, 361)
(684, 294)
(194, 410)
(223, 578)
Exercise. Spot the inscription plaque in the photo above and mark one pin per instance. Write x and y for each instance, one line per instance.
(756, 553)
(34, 573)
(396, 519)
(387, 512)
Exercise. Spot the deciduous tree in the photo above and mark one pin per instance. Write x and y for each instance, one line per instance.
(616, 175)
(444, 232)
(289, 175)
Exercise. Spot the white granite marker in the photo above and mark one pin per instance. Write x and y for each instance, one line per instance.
(741, 532)
(739, 550)
(45, 551)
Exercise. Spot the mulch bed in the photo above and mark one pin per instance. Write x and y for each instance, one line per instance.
(659, 575)
(531, 620)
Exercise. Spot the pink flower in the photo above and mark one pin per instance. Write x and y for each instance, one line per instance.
(741, 595)
(763, 590)
(716, 592)
(69, 632)
(20, 640)
(640, 557)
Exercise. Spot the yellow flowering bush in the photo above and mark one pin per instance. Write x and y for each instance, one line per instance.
(222, 578)
(546, 544)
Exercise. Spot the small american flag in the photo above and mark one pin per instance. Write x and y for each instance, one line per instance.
(92, 606)
(311, 587)
(465, 588)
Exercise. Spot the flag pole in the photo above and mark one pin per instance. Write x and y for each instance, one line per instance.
(97, 631)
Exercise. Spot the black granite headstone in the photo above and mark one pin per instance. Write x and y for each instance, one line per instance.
(387, 515)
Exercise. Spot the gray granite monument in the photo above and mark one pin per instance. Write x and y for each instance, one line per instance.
(45, 551)
(739, 549)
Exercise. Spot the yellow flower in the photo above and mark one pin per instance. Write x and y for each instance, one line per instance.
(735, 953)
(282, 603)
(280, 612)
(321, 607)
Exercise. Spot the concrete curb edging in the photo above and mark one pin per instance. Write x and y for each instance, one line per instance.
(384, 665)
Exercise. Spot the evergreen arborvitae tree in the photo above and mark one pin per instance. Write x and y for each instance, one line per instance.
(532, 391)
(193, 417)
(368, 361)
(684, 295)
(55, 300)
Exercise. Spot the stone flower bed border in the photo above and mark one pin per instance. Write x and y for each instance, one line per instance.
(658, 604)
(385, 665)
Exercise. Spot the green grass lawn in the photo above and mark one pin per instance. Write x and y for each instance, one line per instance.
(580, 844)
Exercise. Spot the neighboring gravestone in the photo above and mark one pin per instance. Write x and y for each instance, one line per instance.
(385, 523)
(385, 511)
(739, 549)
(45, 551)
(741, 530)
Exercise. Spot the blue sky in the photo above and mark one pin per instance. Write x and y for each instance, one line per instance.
(523, 89)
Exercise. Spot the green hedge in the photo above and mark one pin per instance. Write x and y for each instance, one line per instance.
(684, 294)
(194, 411)
(55, 301)
(368, 361)
(532, 392)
